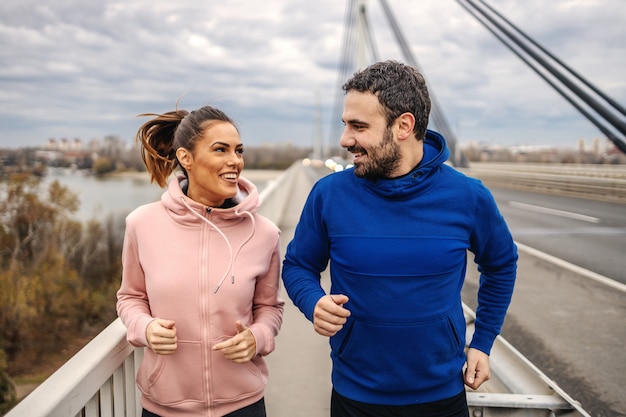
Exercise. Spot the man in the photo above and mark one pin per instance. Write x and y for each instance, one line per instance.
(396, 230)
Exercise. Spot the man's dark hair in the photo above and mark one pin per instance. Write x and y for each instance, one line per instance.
(400, 89)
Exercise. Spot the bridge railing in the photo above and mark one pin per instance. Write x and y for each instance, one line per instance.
(600, 182)
(99, 381)
(276, 194)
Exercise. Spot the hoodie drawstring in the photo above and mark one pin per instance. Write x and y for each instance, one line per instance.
(230, 248)
(239, 213)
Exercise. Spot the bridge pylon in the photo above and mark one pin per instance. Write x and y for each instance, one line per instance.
(357, 42)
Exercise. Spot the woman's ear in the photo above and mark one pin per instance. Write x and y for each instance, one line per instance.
(184, 157)
(406, 123)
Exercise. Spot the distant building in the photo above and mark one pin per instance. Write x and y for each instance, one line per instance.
(65, 144)
(48, 155)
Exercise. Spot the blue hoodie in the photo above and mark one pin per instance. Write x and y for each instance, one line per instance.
(398, 250)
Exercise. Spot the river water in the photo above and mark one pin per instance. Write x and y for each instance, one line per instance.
(119, 194)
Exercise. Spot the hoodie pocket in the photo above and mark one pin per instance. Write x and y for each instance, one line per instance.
(235, 381)
(173, 379)
(386, 357)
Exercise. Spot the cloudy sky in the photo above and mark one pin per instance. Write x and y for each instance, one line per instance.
(86, 69)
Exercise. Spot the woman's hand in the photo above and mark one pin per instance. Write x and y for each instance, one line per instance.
(240, 348)
(161, 336)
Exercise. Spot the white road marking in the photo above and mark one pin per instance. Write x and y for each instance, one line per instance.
(571, 267)
(555, 212)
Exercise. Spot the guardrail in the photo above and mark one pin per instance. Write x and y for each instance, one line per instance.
(517, 387)
(598, 182)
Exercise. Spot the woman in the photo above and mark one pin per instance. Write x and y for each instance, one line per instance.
(200, 281)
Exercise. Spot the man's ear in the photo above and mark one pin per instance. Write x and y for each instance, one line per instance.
(184, 157)
(406, 123)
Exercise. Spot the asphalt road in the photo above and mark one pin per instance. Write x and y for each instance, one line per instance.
(590, 234)
(570, 326)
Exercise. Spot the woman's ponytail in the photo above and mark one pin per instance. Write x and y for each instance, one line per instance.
(158, 150)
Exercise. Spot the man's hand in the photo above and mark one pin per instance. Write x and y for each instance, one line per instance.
(240, 348)
(329, 315)
(477, 370)
(161, 336)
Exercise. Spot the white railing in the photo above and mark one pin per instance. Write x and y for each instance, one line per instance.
(99, 381)
(279, 189)
(517, 387)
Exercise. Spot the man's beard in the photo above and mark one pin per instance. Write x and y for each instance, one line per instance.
(381, 160)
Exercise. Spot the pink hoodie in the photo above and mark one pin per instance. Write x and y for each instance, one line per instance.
(205, 269)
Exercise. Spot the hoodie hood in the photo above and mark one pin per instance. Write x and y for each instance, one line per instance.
(188, 212)
(435, 154)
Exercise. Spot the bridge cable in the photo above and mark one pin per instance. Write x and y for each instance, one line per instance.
(491, 25)
(369, 34)
(582, 79)
(620, 125)
(456, 158)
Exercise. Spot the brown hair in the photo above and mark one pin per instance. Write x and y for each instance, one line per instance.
(400, 89)
(161, 136)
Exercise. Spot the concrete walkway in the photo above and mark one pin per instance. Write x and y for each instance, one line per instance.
(300, 366)
(570, 327)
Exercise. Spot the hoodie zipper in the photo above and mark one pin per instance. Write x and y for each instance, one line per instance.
(205, 317)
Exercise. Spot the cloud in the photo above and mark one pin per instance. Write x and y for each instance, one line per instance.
(85, 69)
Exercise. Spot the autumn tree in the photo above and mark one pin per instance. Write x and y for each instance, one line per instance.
(56, 277)
(7, 390)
